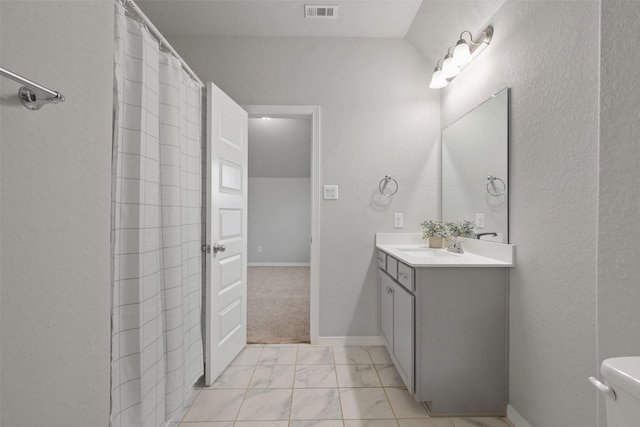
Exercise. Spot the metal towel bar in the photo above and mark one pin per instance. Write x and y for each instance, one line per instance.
(32, 95)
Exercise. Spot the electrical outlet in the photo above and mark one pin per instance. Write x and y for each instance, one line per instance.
(259, 248)
(398, 220)
(479, 220)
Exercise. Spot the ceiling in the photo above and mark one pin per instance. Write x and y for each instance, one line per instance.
(430, 25)
(280, 147)
(285, 18)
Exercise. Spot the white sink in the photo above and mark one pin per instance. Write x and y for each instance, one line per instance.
(425, 252)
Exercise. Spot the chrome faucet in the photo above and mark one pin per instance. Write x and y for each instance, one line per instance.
(455, 246)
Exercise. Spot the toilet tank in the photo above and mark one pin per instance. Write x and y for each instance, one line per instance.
(622, 374)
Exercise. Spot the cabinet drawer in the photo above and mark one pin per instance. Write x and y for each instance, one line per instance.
(382, 260)
(392, 266)
(406, 276)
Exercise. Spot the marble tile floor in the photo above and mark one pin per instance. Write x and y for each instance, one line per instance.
(313, 386)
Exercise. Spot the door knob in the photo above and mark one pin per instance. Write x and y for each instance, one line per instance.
(218, 248)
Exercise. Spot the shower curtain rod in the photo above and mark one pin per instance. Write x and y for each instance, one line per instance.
(156, 33)
(30, 91)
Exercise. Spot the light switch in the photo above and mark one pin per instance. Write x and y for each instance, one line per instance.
(331, 192)
(479, 220)
(398, 220)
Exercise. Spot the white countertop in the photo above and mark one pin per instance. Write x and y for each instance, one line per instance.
(411, 249)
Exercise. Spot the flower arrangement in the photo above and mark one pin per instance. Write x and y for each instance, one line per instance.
(435, 232)
(434, 229)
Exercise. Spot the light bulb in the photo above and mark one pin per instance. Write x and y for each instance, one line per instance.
(437, 80)
(461, 54)
(449, 68)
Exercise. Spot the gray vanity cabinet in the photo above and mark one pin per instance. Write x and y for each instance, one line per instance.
(446, 331)
(461, 340)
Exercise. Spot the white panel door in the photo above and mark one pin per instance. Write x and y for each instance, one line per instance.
(226, 288)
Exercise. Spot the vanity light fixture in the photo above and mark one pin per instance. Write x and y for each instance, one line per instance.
(450, 68)
(437, 79)
(463, 53)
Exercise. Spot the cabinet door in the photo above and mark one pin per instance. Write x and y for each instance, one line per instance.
(403, 333)
(386, 309)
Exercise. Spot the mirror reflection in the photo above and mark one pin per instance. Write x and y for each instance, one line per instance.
(475, 171)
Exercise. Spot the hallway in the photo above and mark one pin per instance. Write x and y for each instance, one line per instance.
(278, 308)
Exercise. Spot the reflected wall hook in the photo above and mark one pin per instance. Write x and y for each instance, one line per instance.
(384, 182)
(493, 191)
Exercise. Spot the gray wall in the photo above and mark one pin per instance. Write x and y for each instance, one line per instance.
(378, 117)
(279, 220)
(55, 213)
(619, 178)
(280, 147)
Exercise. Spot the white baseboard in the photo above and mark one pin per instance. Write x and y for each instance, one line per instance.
(278, 264)
(515, 418)
(344, 341)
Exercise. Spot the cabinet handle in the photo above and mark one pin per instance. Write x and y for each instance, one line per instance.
(403, 275)
(389, 290)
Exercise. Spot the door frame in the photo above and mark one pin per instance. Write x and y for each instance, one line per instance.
(313, 112)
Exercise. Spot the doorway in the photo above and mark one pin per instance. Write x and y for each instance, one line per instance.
(282, 222)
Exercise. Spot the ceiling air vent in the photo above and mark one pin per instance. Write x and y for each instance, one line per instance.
(320, 11)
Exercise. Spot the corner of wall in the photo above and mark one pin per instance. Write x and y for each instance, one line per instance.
(515, 418)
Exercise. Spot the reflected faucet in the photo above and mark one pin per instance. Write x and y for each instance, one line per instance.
(478, 235)
(455, 246)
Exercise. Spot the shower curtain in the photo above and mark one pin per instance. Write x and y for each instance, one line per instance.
(156, 231)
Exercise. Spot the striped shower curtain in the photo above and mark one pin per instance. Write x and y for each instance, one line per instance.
(156, 231)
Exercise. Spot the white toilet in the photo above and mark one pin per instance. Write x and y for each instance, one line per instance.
(621, 391)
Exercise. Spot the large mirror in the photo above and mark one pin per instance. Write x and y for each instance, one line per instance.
(475, 168)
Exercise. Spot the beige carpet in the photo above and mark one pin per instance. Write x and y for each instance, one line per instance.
(278, 305)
